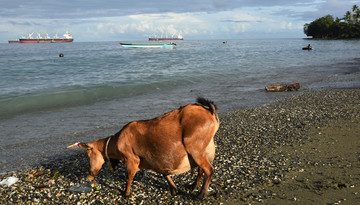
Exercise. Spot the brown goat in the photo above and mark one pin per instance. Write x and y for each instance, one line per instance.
(169, 144)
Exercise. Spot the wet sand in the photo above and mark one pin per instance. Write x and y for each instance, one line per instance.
(328, 170)
(302, 149)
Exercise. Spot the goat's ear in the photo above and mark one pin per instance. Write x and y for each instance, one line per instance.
(85, 145)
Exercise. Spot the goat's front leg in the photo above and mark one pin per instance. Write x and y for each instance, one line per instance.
(132, 166)
(172, 186)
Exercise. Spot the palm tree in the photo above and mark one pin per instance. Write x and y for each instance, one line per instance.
(356, 14)
(348, 17)
(355, 8)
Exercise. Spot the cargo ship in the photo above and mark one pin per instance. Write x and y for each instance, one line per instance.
(166, 38)
(66, 38)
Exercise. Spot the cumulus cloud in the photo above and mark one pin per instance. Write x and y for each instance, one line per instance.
(286, 25)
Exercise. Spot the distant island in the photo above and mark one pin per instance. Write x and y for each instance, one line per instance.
(329, 28)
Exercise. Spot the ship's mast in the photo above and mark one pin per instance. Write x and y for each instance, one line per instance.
(30, 35)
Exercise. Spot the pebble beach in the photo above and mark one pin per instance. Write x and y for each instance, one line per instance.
(302, 149)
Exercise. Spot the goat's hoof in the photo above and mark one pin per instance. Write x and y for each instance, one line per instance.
(125, 196)
(192, 187)
(200, 196)
(173, 192)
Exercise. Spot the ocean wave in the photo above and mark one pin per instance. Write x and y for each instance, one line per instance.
(78, 96)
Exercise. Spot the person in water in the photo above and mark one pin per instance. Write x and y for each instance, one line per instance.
(309, 47)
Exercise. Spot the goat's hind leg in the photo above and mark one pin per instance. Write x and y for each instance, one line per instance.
(196, 183)
(204, 164)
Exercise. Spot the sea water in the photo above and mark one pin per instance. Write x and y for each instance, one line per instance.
(48, 102)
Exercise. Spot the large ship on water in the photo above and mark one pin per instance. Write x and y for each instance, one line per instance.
(166, 38)
(66, 38)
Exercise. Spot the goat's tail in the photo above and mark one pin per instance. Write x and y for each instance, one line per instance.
(208, 103)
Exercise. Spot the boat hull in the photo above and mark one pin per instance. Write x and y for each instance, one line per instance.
(162, 45)
(62, 40)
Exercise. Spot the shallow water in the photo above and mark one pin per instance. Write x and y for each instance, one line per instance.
(47, 102)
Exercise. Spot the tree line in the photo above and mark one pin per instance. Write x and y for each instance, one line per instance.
(329, 28)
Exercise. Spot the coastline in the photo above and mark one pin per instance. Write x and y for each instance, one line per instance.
(53, 120)
(265, 154)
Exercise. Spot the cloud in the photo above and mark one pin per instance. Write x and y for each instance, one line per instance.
(243, 18)
(336, 8)
(286, 25)
(111, 8)
(148, 24)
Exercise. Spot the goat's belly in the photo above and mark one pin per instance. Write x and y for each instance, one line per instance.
(210, 151)
(183, 166)
(176, 165)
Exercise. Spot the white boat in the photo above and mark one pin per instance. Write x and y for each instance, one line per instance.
(148, 45)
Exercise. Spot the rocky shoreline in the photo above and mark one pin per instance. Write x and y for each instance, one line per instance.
(258, 152)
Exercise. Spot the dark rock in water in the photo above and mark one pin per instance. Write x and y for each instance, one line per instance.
(280, 87)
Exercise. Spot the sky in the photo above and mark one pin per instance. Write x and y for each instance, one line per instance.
(126, 20)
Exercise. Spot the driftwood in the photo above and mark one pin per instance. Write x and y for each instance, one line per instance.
(280, 87)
